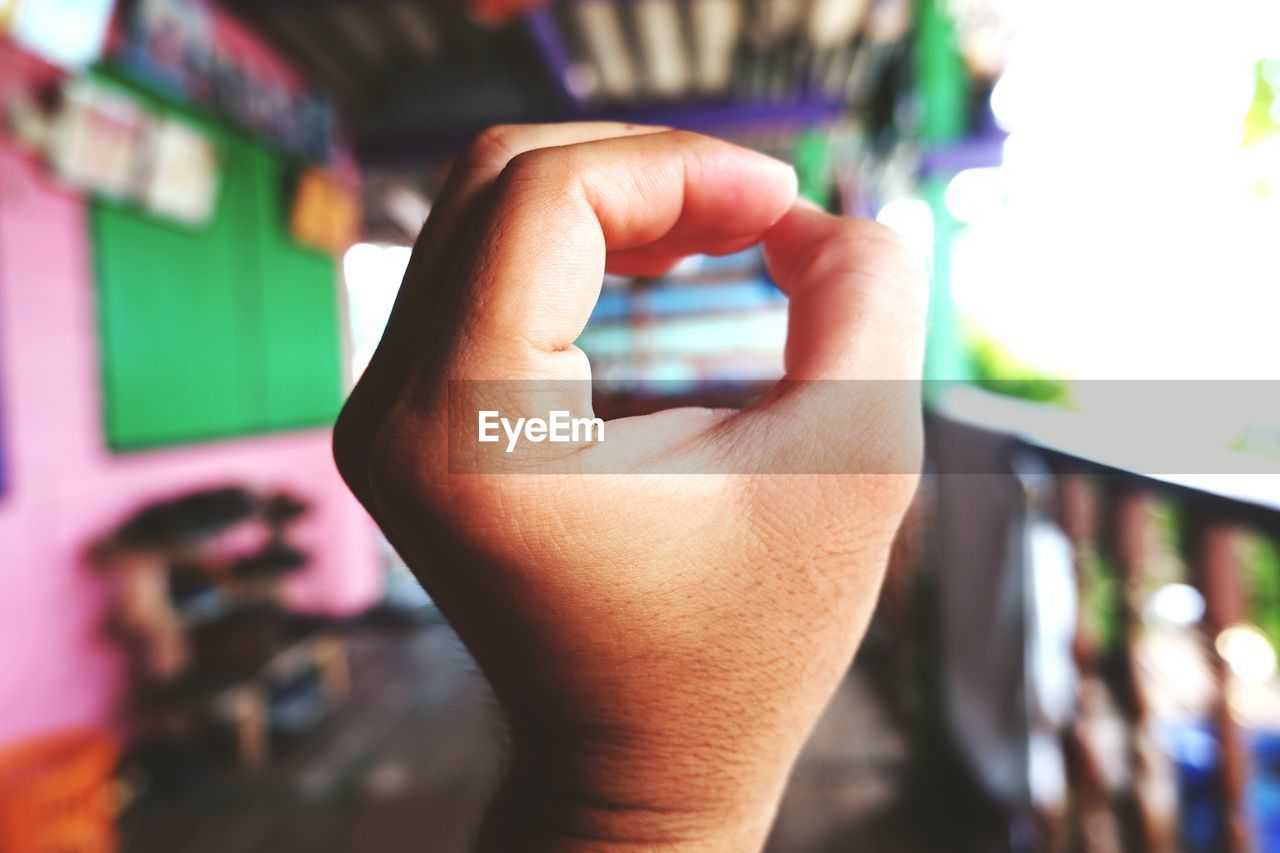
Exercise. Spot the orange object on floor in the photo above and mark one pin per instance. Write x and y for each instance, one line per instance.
(55, 794)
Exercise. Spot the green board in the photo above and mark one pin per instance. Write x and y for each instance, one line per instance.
(224, 330)
(943, 83)
(300, 366)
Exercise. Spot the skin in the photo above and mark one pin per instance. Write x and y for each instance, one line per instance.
(662, 645)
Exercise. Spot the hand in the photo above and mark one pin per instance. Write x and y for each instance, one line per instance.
(662, 645)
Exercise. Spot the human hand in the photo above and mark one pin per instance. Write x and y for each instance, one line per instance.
(662, 644)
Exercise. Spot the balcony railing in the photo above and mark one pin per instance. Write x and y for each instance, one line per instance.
(1176, 708)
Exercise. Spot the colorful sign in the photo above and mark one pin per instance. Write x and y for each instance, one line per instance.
(173, 44)
(326, 215)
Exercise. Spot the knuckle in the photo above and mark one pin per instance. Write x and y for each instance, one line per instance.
(492, 147)
(887, 248)
(837, 256)
(874, 252)
(542, 169)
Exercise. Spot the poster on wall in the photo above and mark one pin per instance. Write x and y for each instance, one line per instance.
(68, 33)
(97, 141)
(166, 37)
(182, 173)
(326, 215)
(101, 141)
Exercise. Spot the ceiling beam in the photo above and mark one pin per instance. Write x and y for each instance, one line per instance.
(434, 144)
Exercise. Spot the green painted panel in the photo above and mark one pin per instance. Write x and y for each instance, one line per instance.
(173, 346)
(225, 330)
(941, 75)
(300, 375)
(944, 93)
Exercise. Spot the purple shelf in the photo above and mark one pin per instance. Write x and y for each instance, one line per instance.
(978, 153)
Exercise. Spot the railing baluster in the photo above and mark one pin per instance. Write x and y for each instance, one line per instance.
(1099, 828)
(1125, 541)
(1217, 570)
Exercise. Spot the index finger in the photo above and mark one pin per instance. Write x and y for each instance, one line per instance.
(558, 213)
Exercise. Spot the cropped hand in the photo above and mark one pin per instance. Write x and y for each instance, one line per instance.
(662, 643)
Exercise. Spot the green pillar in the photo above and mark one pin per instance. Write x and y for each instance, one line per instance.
(946, 353)
(944, 95)
(813, 162)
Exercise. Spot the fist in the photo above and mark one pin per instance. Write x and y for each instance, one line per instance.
(662, 614)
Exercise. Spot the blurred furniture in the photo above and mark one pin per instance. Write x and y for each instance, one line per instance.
(55, 794)
(198, 604)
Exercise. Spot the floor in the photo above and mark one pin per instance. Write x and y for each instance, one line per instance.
(408, 764)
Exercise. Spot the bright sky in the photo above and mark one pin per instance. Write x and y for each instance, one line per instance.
(373, 274)
(1120, 239)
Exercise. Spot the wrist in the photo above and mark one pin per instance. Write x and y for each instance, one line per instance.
(520, 818)
(604, 797)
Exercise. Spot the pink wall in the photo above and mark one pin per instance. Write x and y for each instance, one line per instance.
(64, 487)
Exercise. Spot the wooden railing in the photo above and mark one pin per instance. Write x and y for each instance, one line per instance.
(1111, 517)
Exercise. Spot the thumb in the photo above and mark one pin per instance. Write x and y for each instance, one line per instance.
(858, 297)
(850, 401)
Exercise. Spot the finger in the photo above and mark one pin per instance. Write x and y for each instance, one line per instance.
(850, 401)
(472, 174)
(488, 154)
(858, 297)
(558, 213)
(419, 297)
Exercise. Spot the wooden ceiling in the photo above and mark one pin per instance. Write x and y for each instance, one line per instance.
(415, 78)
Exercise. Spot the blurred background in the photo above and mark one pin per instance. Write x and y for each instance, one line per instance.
(206, 210)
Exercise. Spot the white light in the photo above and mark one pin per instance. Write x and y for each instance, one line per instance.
(974, 192)
(1176, 604)
(1095, 241)
(371, 265)
(1004, 102)
(70, 33)
(373, 275)
(1248, 652)
(913, 219)
(1271, 71)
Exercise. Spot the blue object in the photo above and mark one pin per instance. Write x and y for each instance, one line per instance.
(1193, 746)
(666, 300)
